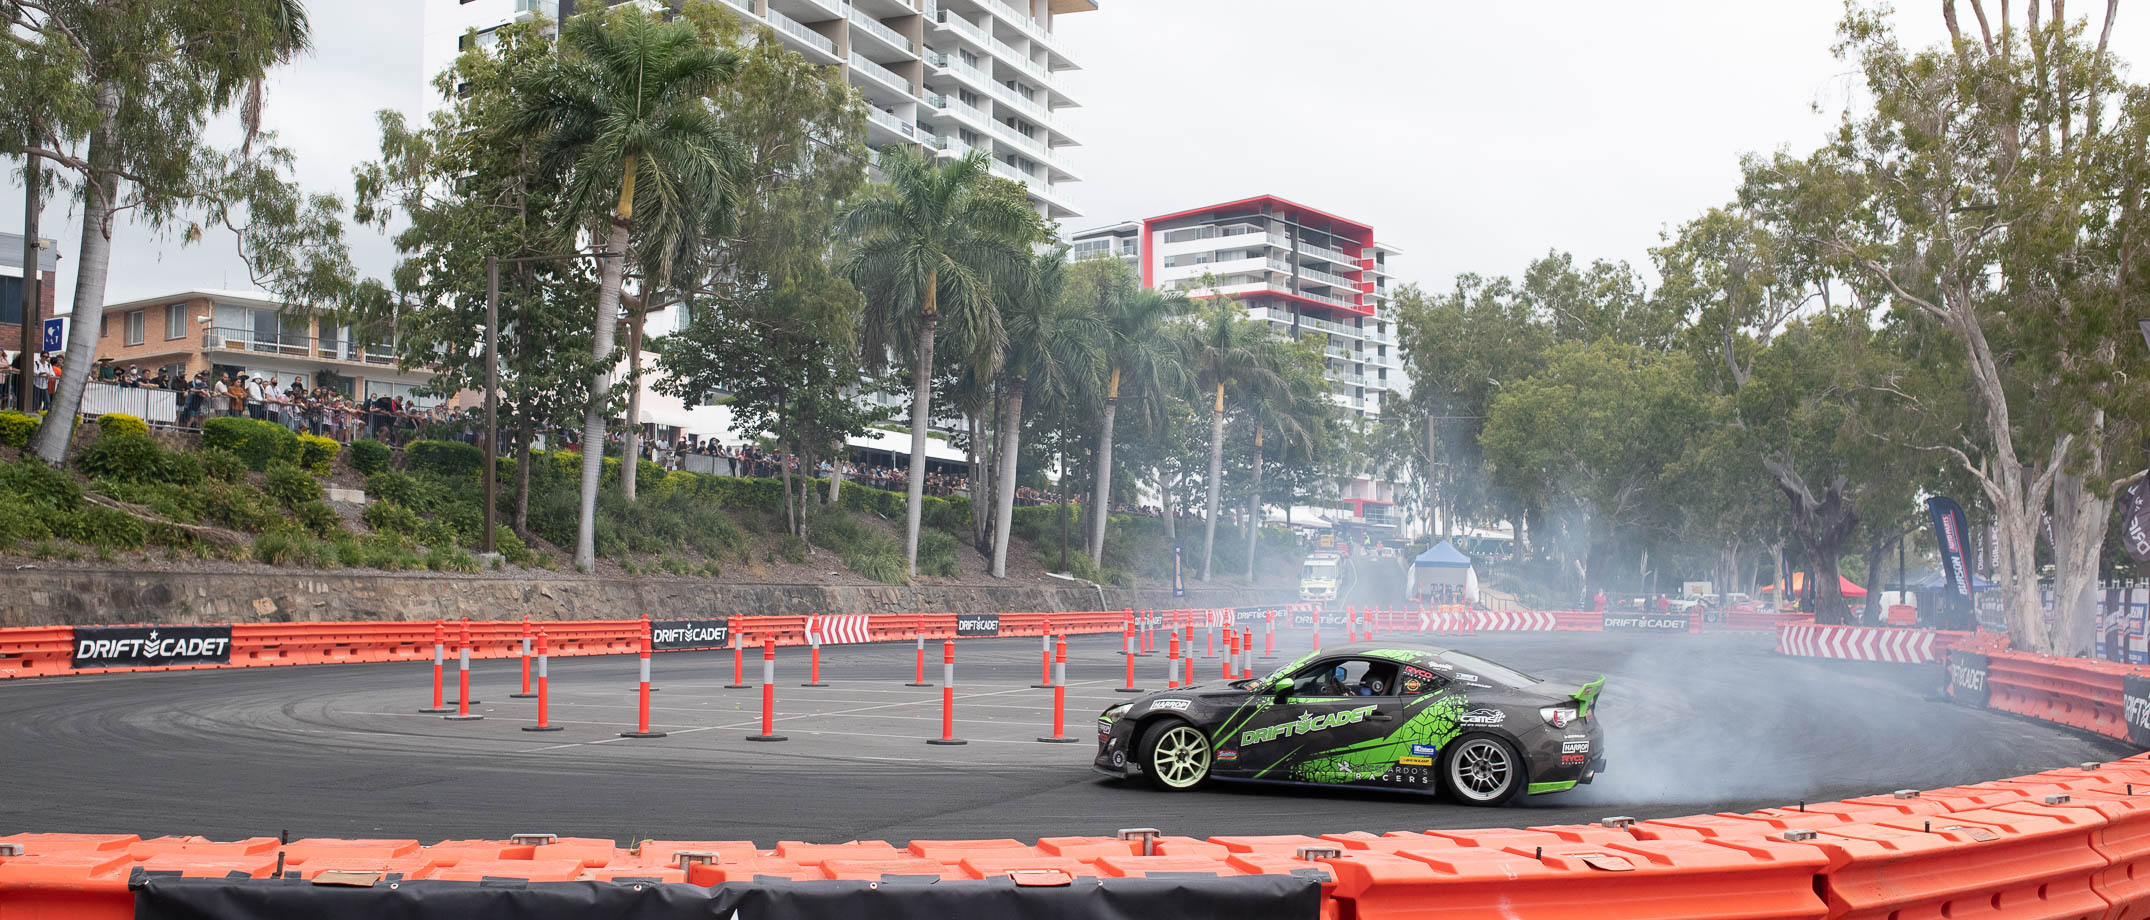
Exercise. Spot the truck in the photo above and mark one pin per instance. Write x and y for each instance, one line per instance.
(1323, 577)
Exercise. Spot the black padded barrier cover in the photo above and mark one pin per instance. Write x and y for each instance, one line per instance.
(1180, 897)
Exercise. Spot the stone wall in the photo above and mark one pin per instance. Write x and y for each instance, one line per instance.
(74, 596)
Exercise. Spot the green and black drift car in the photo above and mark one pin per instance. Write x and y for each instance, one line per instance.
(1405, 717)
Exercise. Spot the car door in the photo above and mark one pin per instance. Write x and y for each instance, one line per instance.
(1293, 737)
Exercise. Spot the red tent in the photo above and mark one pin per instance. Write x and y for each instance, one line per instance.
(1799, 581)
(1848, 589)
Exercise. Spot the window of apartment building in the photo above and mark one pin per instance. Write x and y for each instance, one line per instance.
(379, 388)
(175, 321)
(1131, 246)
(11, 301)
(136, 320)
(969, 98)
(968, 136)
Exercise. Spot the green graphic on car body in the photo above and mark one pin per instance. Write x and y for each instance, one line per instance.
(1434, 725)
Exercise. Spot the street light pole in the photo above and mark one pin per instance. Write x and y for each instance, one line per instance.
(492, 397)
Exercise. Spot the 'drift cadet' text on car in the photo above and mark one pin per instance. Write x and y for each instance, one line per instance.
(1386, 716)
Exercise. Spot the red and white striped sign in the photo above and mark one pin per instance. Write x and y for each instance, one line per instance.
(837, 630)
(1858, 643)
(1514, 621)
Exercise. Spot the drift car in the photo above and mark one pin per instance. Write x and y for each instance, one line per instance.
(1386, 716)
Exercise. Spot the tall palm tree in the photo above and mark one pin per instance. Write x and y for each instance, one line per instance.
(1224, 350)
(929, 241)
(1293, 405)
(1056, 346)
(621, 113)
(1141, 361)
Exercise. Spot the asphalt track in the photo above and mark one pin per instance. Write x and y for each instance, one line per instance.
(1694, 724)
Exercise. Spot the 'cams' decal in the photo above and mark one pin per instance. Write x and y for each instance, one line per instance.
(1483, 717)
(1175, 705)
(1306, 724)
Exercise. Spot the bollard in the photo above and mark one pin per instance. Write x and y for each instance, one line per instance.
(642, 705)
(1045, 659)
(440, 640)
(1187, 640)
(1246, 654)
(1269, 635)
(739, 665)
(768, 692)
(1209, 642)
(1060, 695)
(813, 661)
(948, 695)
(526, 694)
(462, 678)
(1231, 653)
(1172, 664)
(918, 678)
(1129, 687)
(544, 692)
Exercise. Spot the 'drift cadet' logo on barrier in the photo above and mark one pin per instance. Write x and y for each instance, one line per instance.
(151, 646)
(2135, 707)
(1668, 622)
(977, 625)
(672, 635)
(1303, 619)
(1967, 678)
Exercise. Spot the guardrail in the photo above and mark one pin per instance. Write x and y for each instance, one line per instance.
(2071, 842)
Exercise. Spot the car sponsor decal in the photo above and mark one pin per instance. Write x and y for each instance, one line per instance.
(1174, 705)
(1573, 760)
(1227, 755)
(1307, 723)
(1431, 726)
(1413, 685)
(1483, 717)
(1425, 750)
(1575, 747)
(1412, 760)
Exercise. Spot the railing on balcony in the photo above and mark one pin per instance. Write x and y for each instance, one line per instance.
(297, 345)
(890, 121)
(956, 65)
(1036, 30)
(878, 72)
(961, 26)
(1029, 145)
(1029, 107)
(800, 31)
(745, 6)
(1326, 253)
(876, 29)
(958, 107)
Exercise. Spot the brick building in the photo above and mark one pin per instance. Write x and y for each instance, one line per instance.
(48, 264)
(231, 331)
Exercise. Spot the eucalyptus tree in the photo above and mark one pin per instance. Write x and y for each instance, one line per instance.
(927, 244)
(621, 114)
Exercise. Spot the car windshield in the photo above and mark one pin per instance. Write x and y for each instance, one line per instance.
(1323, 570)
(1487, 670)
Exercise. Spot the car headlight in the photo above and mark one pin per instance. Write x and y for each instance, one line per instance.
(1558, 716)
(1113, 713)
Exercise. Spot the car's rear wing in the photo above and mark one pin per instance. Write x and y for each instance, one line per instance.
(1588, 695)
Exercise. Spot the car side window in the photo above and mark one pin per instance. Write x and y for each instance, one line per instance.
(1346, 677)
(1416, 681)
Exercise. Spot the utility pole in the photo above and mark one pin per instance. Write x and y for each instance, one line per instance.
(492, 399)
(33, 332)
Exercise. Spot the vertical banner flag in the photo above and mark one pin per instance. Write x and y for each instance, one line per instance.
(2135, 520)
(1179, 578)
(1948, 532)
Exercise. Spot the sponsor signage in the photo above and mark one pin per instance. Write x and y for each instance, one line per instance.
(1303, 619)
(1949, 532)
(2135, 520)
(1646, 622)
(673, 635)
(977, 625)
(1246, 615)
(151, 646)
(2135, 707)
(1332, 618)
(1967, 680)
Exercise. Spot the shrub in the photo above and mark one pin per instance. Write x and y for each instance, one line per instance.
(946, 514)
(104, 528)
(390, 517)
(937, 554)
(368, 456)
(317, 455)
(453, 459)
(792, 549)
(120, 423)
(256, 442)
(886, 568)
(401, 488)
(451, 559)
(291, 486)
(238, 506)
(38, 484)
(16, 429)
(222, 465)
(318, 518)
(22, 520)
(128, 458)
(511, 547)
(285, 547)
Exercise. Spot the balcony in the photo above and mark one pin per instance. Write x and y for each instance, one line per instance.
(744, 6)
(1023, 62)
(964, 110)
(1029, 107)
(798, 30)
(1323, 277)
(963, 27)
(1029, 145)
(1032, 28)
(892, 123)
(948, 146)
(965, 71)
(1324, 252)
(886, 35)
(886, 76)
(297, 345)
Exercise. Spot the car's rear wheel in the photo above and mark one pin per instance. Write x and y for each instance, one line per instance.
(1482, 770)
(1176, 756)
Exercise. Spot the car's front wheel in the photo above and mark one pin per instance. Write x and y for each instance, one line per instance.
(1176, 756)
(1482, 770)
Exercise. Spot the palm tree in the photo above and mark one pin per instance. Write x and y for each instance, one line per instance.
(931, 240)
(1294, 405)
(1224, 350)
(1055, 345)
(1140, 360)
(621, 114)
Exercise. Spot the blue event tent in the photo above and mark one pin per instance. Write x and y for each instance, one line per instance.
(1443, 564)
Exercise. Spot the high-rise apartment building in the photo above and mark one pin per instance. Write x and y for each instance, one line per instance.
(950, 75)
(1308, 272)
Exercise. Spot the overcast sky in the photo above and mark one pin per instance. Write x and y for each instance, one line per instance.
(1475, 136)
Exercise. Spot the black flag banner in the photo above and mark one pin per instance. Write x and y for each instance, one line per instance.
(2135, 520)
(1949, 533)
